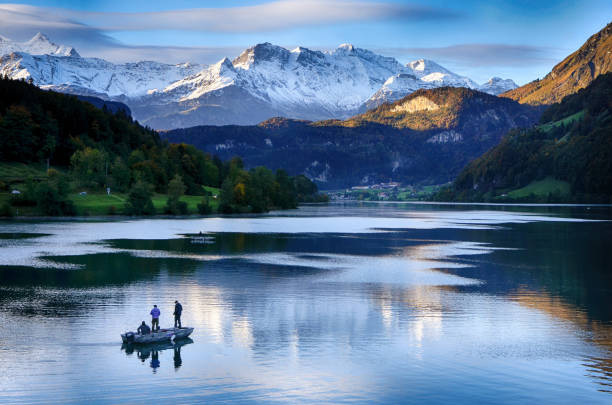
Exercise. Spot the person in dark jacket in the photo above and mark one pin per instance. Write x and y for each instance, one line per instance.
(144, 329)
(178, 310)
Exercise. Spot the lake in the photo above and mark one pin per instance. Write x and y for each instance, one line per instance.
(360, 303)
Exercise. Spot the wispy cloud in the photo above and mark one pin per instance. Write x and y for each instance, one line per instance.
(474, 55)
(272, 16)
(276, 15)
(92, 32)
(20, 21)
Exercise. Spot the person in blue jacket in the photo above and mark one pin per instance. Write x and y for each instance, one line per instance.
(155, 312)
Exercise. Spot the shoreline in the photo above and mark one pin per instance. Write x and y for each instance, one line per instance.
(22, 218)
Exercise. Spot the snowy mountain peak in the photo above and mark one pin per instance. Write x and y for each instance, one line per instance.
(39, 38)
(225, 65)
(497, 85)
(261, 53)
(346, 47)
(40, 44)
(424, 67)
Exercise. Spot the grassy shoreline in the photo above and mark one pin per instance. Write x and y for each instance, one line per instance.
(101, 204)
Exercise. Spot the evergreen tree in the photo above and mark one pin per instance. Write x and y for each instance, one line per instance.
(176, 189)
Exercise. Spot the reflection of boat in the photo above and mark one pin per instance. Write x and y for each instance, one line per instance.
(145, 351)
(157, 336)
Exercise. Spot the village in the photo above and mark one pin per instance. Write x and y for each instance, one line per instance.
(391, 191)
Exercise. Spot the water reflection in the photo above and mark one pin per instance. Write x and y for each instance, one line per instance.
(152, 351)
(440, 312)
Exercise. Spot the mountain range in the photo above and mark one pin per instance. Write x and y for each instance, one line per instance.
(426, 137)
(429, 135)
(264, 81)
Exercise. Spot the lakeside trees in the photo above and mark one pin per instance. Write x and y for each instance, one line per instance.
(97, 149)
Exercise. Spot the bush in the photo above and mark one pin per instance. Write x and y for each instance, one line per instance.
(6, 210)
(204, 208)
(175, 207)
(139, 200)
(51, 201)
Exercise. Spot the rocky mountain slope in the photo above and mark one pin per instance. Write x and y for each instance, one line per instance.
(426, 137)
(264, 81)
(575, 72)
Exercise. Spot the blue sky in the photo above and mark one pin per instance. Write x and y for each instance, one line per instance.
(521, 40)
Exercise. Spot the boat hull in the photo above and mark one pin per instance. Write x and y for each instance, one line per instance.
(161, 335)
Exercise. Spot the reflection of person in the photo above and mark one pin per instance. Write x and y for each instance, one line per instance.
(178, 310)
(177, 357)
(155, 360)
(144, 329)
(155, 312)
(143, 355)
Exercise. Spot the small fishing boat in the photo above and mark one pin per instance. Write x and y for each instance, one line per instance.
(157, 336)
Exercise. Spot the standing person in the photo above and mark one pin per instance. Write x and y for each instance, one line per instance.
(178, 310)
(155, 318)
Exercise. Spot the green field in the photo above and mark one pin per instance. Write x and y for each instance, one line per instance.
(542, 188)
(14, 176)
(564, 121)
(102, 204)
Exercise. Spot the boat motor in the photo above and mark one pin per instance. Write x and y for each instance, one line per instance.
(129, 337)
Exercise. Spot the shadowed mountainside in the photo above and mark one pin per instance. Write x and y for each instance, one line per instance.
(426, 137)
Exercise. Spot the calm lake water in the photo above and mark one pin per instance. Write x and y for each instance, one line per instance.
(373, 303)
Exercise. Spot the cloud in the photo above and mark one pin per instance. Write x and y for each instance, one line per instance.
(20, 22)
(475, 55)
(91, 32)
(272, 16)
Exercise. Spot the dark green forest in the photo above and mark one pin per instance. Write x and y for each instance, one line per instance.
(88, 148)
(572, 143)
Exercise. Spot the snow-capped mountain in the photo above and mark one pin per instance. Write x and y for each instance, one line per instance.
(262, 82)
(299, 83)
(92, 76)
(497, 85)
(38, 45)
(430, 72)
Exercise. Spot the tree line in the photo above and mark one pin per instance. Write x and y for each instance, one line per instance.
(95, 149)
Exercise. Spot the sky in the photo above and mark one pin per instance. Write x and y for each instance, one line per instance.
(521, 40)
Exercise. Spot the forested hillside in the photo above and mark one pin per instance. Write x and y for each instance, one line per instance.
(567, 157)
(424, 138)
(91, 149)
